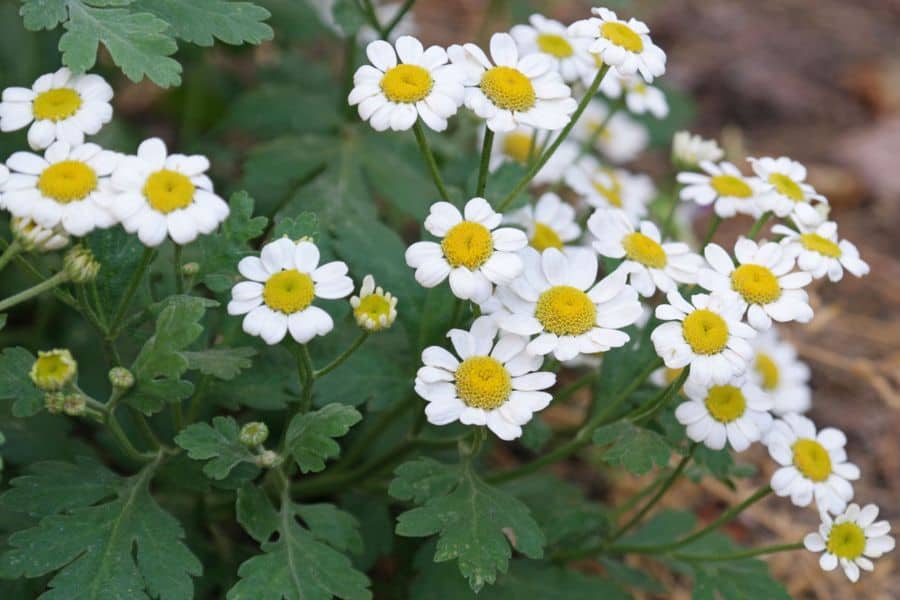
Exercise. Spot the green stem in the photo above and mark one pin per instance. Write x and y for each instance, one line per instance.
(754, 230)
(344, 356)
(667, 395)
(486, 148)
(389, 28)
(12, 250)
(713, 226)
(133, 284)
(373, 18)
(566, 392)
(749, 553)
(429, 160)
(112, 423)
(590, 143)
(179, 276)
(670, 216)
(47, 284)
(537, 166)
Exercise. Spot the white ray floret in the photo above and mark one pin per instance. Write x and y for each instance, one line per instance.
(851, 539)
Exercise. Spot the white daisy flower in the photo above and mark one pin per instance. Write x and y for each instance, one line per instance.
(781, 374)
(650, 264)
(813, 465)
(374, 309)
(736, 413)
(474, 251)
(851, 539)
(640, 97)
(281, 285)
(515, 146)
(59, 106)
(764, 280)
(625, 45)
(67, 187)
(493, 384)
(512, 91)
(559, 300)
(725, 185)
(35, 238)
(159, 194)
(605, 187)
(787, 187)
(689, 150)
(570, 56)
(392, 95)
(706, 334)
(818, 249)
(550, 223)
(621, 138)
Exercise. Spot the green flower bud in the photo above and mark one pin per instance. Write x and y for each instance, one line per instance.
(74, 405)
(54, 402)
(190, 269)
(254, 434)
(80, 264)
(53, 370)
(121, 378)
(35, 238)
(268, 459)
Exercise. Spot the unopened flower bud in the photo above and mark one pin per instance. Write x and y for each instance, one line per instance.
(121, 377)
(689, 150)
(74, 405)
(81, 265)
(35, 238)
(54, 402)
(190, 269)
(268, 459)
(254, 434)
(53, 370)
(374, 309)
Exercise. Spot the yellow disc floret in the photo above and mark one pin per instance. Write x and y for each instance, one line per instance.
(407, 84)
(373, 312)
(482, 382)
(508, 88)
(645, 250)
(517, 146)
(768, 371)
(554, 45)
(53, 370)
(622, 35)
(544, 237)
(67, 181)
(816, 243)
(56, 105)
(565, 310)
(705, 332)
(786, 186)
(289, 291)
(757, 284)
(812, 459)
(725, 403)
(468, 244)
(846, 540)
(167, 190)
(729, 185)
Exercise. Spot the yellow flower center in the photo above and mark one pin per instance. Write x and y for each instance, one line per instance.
(725, 403)
(758, 285)
(373, 306)
(406, 84)
(53, 369)
(816, 243)
(846, 540)
(67, 181)
(508, 88)
(544, 237)
(517, 146)
(289, 291)
(645, 250)
(622, 35)
(729, 185)
(482, 382)
(167, 190)
(705, 331)
(670, 375)
(768, 371)
(565, 310)
(554, 45)
(786, 186)
(811, 459)
(468, 244)
(56, 105)
(613, 193)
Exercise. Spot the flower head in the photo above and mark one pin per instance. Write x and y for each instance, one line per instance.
(283, 282)
(625, 45)
(374, 309)
(253, 434)
(619, 138)
(724, 186)
(35, 238)
(780, 373)
(640, 96)
(569, 55)
(851, 539)
(735, 412)
(786, 182)
(516, 146)
(80, 264)
(53, 370)
(606, 187)
(689, 150)
(550, 223)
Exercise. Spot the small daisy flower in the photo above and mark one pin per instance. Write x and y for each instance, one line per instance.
(625, 45)
(724, 185)
(559, 300)
(281, 285)
(689, 150)
(474, 251)
(59, 106)
(736, 413)
(818, 249)
(787, 187)
(651, 265)
(550, 223)
(706, 334)
(374, 309)
(490, 381)
(605, 187)
(620, 138)
(67, 187)
(393, 96)
(35, 238)
(781, 374)
(851, 539)
(813, 465)
(764, 280)
(513, 90)
(640, 97)
(160, 194)
(569, 55)
(515, 146)
(53, 370)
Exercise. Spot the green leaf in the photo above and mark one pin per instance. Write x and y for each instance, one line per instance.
(269, 385)
(664, 527)
(536, 434)
(635, 448)
(348, 16)
(223, 250)
(310, 436)
(43, 14)
(56, 486)
(255, 513)
(477, 524)
(202, 21)
(331, 525)
(306, 224)
(222, 363)
(127, 546)
(16, 384)
(219, 443)
(397, 173)
(278, 108)
(119, 255)
(273, 171)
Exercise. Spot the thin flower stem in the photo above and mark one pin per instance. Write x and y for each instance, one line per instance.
(179, 276)
(40, 288)
(486, 148)
(306, 363)
(12, 250)
(649, 413)
(713, 227)
(758, 225)
(537, 166)
(344, 356)
(373, 18)
(124, 443)
(749, 553)
(670, 216)
(645, 491)
(125, 302)
(389, 28)
(429, 160)
(61, 295)
(566, 392)
(533, 150)
(591, 142)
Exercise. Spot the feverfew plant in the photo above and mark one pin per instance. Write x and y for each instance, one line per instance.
(335, 383)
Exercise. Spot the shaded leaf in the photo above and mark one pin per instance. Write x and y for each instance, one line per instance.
(310, 437)
(635, 448)
(203, 21)
(16, 384)
(222, 363)
(223, 250)
(219, 443)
